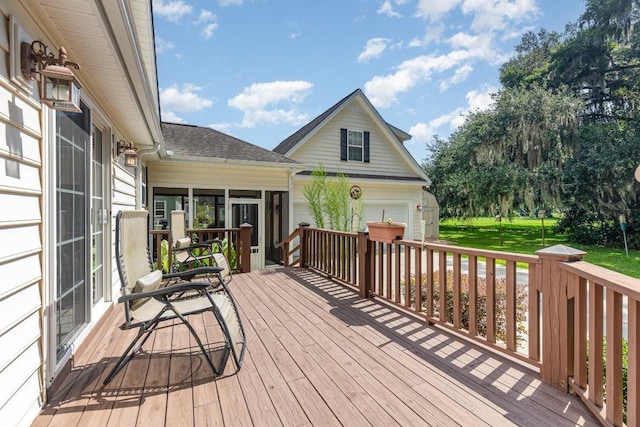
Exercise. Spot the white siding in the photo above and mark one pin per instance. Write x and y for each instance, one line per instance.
(21, 249)
(399, 201)
(238, 177)
(324, 146)
(123, 198)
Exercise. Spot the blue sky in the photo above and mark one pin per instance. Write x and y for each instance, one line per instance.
(261, 69)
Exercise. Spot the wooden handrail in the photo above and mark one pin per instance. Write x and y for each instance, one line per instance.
(289, 252)
(231, 234)
(540, 309)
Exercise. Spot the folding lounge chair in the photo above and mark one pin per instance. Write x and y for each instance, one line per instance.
(185, 253)
(147, 303)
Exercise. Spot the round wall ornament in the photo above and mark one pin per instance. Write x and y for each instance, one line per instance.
(355, 192)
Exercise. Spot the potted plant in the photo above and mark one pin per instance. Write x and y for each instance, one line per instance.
(386, 231)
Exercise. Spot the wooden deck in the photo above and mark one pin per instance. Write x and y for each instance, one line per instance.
(317, 355)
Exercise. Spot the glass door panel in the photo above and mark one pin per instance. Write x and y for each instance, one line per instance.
(72, 158)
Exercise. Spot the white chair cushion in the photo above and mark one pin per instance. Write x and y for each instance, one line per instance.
(149, 282)
(183, 243)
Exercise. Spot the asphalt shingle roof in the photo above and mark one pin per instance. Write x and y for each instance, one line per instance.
(196, 141)
(297, 136)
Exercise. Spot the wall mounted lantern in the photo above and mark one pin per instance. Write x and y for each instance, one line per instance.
(60, 88)
(130, 153)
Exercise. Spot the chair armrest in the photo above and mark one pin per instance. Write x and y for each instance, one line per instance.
(166, 291)
(209, 242)
(191, 273)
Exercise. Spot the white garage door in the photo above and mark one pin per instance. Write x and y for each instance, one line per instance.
(398, 212)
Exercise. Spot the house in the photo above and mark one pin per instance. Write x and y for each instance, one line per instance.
(65, 173)
(352, 138)
(63, 179)
(222, 181)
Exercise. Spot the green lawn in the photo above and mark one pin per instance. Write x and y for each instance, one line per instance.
(524, 235)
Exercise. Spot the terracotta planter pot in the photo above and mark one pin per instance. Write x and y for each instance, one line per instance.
(386, 232)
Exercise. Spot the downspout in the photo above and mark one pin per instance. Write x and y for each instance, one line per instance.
(141, 154)
(292, 173)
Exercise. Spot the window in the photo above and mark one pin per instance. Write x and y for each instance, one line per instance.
(354, 146)
(160, 209)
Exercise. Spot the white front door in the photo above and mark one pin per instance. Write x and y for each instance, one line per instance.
(250, 211)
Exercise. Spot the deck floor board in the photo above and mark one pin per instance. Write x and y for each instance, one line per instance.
(317, 354)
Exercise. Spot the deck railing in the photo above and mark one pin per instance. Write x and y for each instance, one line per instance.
(545, 309)
(239, 237)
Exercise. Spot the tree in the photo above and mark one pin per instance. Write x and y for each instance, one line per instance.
(507, 157)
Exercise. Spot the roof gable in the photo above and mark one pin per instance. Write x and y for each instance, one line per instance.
(392, 136)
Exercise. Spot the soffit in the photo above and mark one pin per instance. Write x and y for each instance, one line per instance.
(112, 40)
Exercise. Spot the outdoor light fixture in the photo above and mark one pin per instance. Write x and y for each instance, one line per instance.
(130, 153)
(60, 87)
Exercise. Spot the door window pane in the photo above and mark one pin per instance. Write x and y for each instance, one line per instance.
(72, 157)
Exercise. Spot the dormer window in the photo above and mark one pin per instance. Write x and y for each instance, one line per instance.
(354, 145)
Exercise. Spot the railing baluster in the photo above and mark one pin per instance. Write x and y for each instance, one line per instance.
(511, 319)
(396, 273)
(533, 297)
(596, 371)
(407, 276)
(491, 299)
(442, 285)
(614, 357)
(457, 283)
(429, 283)
(580, 336)
(387, 268)
(418, 280)
(473, 295)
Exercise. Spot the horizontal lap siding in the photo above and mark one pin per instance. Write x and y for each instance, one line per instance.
(21, 250)
(218, 176)
(124, 198)
(324, 146)
(374, 198)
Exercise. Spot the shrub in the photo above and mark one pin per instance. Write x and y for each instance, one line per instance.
(481, 306)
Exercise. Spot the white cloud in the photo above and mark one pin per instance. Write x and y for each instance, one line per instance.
(222, 127)
(481, 100)
(459, 76)
(293, 36)
(476, 100)
(225, 3)
(262, 102)
(171, 117)
(260, 95)
(185, 99)
(163, 45)
(435, 10)
(374, 48)
(206, 16)
(386, 8)
(383, 90)
(172, 10)
(492, 15)
(207, 31)
(208, 19)
(432, 33)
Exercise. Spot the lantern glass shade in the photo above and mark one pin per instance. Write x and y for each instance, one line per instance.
(130, 158)
(60, 88)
